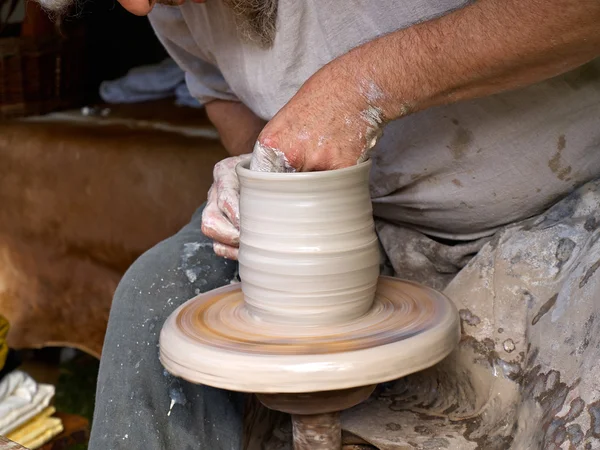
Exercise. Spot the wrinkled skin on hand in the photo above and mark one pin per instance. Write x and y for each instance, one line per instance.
(332, 122)
(221, 216)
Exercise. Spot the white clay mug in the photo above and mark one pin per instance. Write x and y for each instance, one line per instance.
(308, 249)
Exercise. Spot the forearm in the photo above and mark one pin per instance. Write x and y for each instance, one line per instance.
(237, 125)
(488, 47)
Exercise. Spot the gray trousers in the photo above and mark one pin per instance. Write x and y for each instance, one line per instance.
(138, 404)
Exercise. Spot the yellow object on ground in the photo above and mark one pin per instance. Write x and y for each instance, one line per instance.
(39, 430)
(53, 430)
(4, 327)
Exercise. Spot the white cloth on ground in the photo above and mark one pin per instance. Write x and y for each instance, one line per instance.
(21, 398)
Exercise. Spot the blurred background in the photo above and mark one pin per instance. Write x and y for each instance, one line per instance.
(102, 154)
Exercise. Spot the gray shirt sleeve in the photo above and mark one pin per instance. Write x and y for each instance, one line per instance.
(204, 80)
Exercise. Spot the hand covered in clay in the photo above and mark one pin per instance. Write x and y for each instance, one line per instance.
(221, 215)
(332, 122)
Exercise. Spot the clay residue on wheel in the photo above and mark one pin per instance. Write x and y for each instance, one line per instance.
(401, 311)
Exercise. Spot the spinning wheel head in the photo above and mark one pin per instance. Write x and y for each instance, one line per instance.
(215, 339)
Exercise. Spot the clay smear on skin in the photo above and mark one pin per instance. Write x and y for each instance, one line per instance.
(269, 159)
(374, 118)
(372, 115)
(228, 187)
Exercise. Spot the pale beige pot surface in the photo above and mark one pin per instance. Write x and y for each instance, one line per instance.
(308, 249)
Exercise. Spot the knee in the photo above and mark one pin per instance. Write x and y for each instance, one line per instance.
(170, 273)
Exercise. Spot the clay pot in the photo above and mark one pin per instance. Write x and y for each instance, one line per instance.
(308, 250)
(311, 313)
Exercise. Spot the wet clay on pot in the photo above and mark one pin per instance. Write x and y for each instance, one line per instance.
(308, 249)
(311, 313)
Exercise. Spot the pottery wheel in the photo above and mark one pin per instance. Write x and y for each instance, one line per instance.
(214, 339)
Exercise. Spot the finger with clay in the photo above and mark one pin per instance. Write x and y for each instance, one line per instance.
(221, 216)
(267, 159)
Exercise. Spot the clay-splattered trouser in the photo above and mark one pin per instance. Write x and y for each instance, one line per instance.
(524, 377)
(527, 373)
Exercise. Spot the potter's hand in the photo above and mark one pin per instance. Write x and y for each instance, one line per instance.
(332, 122)
(221, 216)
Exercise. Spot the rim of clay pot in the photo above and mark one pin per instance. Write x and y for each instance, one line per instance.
(242, 169)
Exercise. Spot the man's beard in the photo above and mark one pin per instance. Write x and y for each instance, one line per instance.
(56, 9)
(256, 20)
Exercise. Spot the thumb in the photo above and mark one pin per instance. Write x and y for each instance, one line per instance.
(268, 159)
